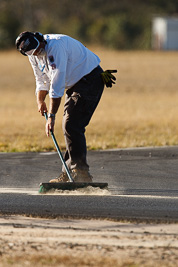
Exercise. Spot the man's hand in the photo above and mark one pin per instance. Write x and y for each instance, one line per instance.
(50, 125)
(42, 107)
(53, 108)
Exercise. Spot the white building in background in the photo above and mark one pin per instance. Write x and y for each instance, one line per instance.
(165, 33)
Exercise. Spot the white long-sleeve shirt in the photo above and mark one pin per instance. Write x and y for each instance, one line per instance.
(65, 63)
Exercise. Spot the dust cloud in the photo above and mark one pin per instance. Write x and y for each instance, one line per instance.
(81, 191)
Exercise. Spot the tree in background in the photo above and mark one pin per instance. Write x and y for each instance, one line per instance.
(119, 24)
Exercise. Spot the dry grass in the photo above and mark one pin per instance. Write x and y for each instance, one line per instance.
(64, 260)
(141, 110)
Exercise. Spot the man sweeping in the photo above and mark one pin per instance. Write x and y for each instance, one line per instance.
(60, 62)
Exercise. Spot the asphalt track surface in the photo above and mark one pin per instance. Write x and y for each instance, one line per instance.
(143, 185)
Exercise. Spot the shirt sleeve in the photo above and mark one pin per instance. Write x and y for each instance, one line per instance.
(57, 56)
(42, 80)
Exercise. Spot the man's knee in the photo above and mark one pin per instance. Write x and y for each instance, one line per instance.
(71, 127)
(68, 126)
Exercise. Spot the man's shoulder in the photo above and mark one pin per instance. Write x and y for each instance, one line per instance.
(56, 43)
(54, 37)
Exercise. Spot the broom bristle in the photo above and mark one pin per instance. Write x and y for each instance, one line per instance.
(42, 190)
(45, 187)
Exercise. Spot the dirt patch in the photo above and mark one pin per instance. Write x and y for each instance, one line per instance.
(65, 242)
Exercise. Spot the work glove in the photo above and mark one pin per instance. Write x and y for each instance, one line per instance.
(108, 78)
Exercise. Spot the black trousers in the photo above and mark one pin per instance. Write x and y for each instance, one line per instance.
(80, 103)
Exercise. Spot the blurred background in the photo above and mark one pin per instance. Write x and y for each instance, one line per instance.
(118, 24)
(138, 38)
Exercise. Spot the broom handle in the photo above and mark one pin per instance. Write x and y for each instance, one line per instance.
(59, 152)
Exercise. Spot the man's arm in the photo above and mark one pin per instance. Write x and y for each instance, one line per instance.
(41, 95)
(53, 108)
(54, 105)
